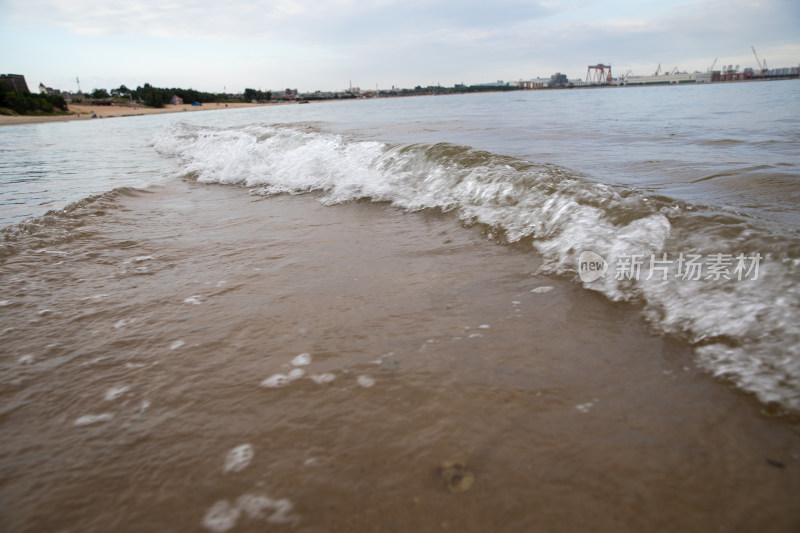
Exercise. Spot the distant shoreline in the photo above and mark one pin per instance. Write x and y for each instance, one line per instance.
(84, 112)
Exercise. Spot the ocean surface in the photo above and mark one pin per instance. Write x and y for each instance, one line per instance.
(477, 312)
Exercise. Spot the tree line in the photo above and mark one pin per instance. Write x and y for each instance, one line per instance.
(159, 97)
(29, 103)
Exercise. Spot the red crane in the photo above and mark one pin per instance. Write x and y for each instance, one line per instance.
(598, 74)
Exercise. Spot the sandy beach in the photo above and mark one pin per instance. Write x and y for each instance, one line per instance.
(84, 112)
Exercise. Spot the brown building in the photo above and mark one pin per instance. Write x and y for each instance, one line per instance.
(14, 82)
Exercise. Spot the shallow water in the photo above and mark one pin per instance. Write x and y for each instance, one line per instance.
(302, 317)
(138, 366)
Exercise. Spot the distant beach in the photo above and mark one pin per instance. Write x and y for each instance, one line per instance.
(84, 112)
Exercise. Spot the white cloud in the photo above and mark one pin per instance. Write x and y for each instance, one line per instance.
(323, 43)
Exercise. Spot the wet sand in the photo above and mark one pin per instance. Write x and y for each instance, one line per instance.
(166, 316)
(84, 112)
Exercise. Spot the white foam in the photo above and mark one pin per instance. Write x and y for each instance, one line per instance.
(142, 258)
(584, 407)
(193, 300)
(484, 326)
(115, 392)
(365, 381)
(221, 517)
(282, 509)
(296, 373)
(26, 359)
(239, 458)
(541, 290)
(175, 345)
(274, 381)
(86, 420)
(302, 360)
(321, 379)
(254, 505)
(4, 303)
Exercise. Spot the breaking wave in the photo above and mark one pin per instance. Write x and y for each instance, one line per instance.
(740, 312)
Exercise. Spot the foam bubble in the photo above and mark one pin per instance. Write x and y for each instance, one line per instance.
(296, 373)
(122, 323)
(175, 345)
(277, 380)
(221, 517)
(541, 290)
(254, 505)
(4, 303)
(484, 326)
(115, 392)
(193, 300)
(239, 458)
(365, 381)
(302, 360)
(321, 379)
(584, 407)
(142, 258)
(26, 359)
(86, 420)
(282, 509)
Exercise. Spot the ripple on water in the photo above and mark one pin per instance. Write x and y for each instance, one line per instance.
(86, 420)
(115, 392)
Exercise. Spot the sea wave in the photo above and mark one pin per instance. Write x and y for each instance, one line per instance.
(742, 322)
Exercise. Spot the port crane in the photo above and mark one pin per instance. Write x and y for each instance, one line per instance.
(761, 64)
(711, 68)
(658, 70)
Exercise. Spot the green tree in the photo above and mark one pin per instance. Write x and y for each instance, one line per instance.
(121, 92)
(100, 94)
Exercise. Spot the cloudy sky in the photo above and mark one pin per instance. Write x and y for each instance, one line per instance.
(329, 44)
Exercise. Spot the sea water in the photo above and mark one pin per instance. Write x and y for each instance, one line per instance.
(302, 317)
